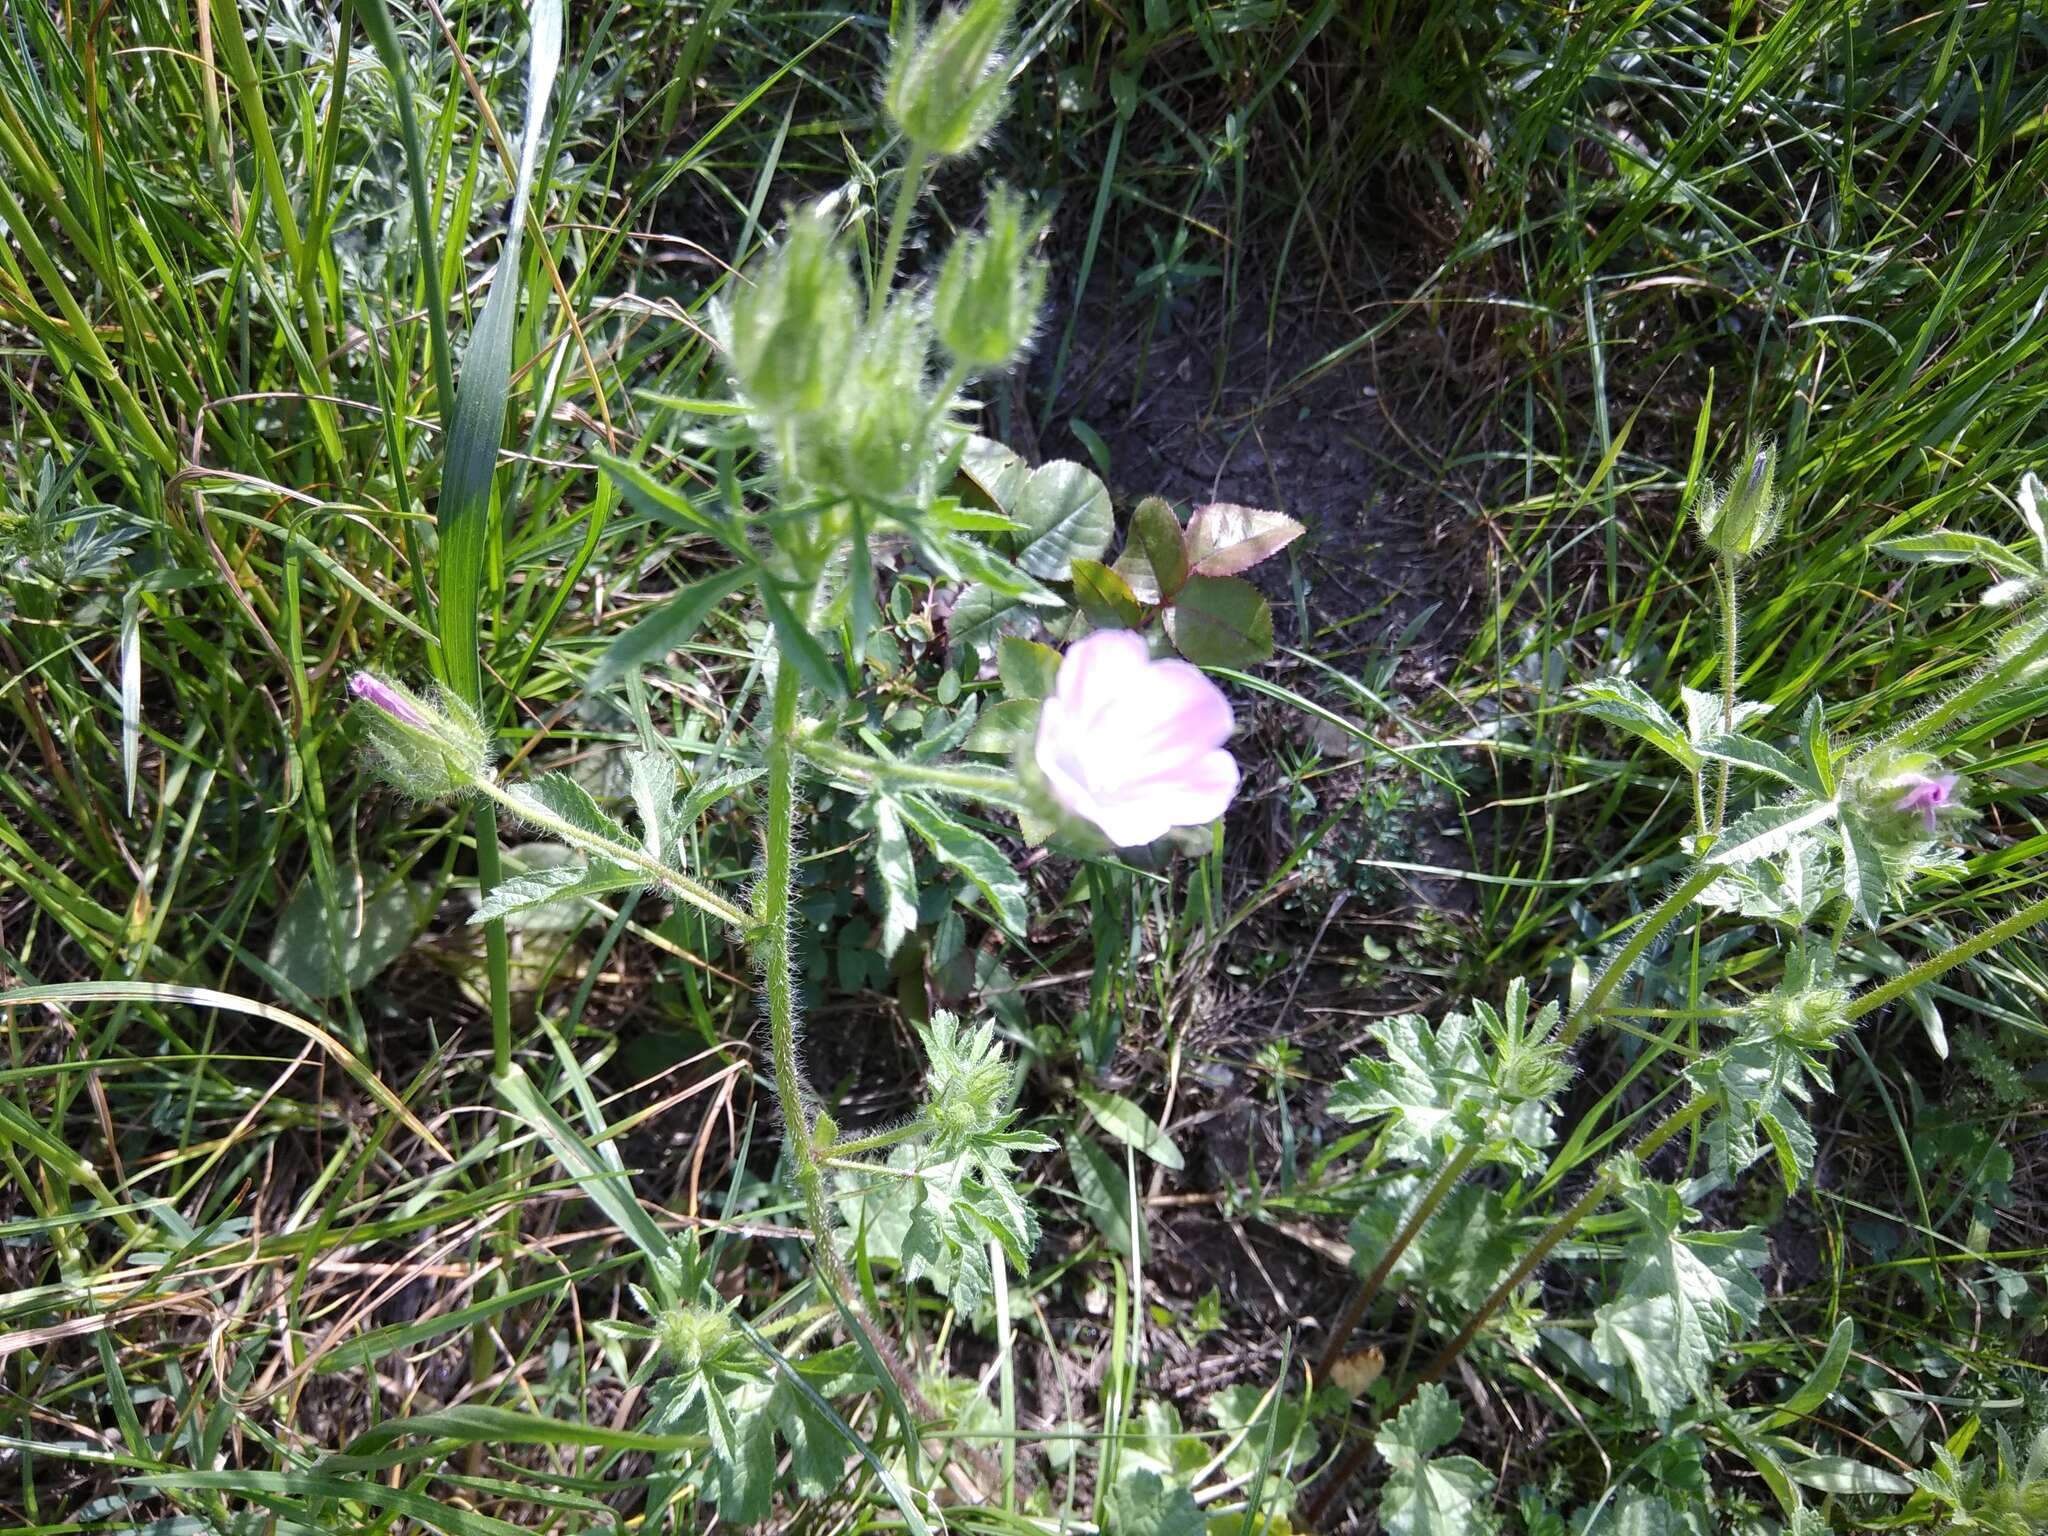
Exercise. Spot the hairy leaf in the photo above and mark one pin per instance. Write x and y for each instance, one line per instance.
(1681, 1297)
(1427, 1494)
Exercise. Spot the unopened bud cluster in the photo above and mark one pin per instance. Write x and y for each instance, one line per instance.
(1738, 519)
(1811, 1014)
(430, 748)
(853, 405)
(989, 290)
(967, 1082)
(692, 1336)
(790, 330)
(945, 90)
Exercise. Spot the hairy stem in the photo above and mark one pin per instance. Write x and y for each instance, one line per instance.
(1730, 638)
(1566, 1223)
(1993, 678)
(899, 225)
(772, 949)
(674, 881)
(985, 784)
(2020, 921)
(1662, 916)
(793, 1097)
(1369, 1289)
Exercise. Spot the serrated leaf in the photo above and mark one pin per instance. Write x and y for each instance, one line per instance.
(977, 563)
(1131, 1125)
(977, 858)
(1680, 1299)
(1621, 703)
(705, 793)
(653, 779)
(1758, 757)
(994, 472)
(895, 874)
(1003, 725)
(1144, 1504)
(1104, 596)
(981, 616)
(558, 796)
(1221, 621)
(1707, 717)
(545, 887)
(1770, 830)
(1065, 510)
(1224, 539)
(670, 627)
(1426, 1494)
(1762, 1086)
(1428, 1086)
(1154, 560)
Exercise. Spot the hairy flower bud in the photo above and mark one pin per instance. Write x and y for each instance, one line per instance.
(1741, 517)
(967, 1083)
(945, 89)
(989, 289)
(789, 332)
(693, 1336)
(429, 749)
(877, 441)
(1902, 798)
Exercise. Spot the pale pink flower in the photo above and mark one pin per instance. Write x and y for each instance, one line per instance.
(377, 693)
(1132, 744)
(1928, 794)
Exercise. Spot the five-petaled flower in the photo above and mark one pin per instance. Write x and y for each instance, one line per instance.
(1135, 745)
(1928, 794)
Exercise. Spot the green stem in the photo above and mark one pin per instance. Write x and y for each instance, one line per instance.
(1563, 1227)
(1601, 1187)
(976, 783)
(674, 881)
(772, 951)
(899, 226)
(1730, 638)
(1369, 1288)
(1661, 917)
(1948, 959)
(497, 948)
(876, 1142)
(1996, 675)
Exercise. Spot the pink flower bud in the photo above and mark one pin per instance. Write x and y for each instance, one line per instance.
(1134, 745)
(377, 693)
(1928, 794)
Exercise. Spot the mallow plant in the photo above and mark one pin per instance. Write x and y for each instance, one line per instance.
(1749, 972)
(853, 434)
(848, 459)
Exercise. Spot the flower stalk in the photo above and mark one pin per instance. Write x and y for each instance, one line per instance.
(671, 880)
